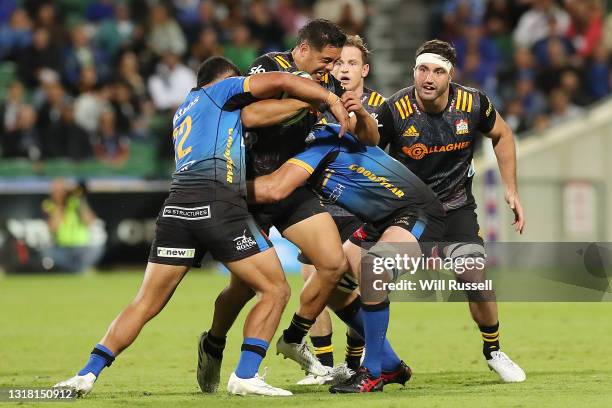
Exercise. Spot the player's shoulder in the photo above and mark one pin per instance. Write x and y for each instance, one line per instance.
(273, 61)
(465, 98)
(402, 103)
(372, 99)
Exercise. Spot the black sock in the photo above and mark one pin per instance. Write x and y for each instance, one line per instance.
(323, 349)
(351, 316)
(297, 329)
(354, 350)
(214, 345)
(490, 339)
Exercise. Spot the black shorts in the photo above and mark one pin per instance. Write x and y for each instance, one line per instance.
(300, 205)
(347, 225)
(427, 226)
(461, 226)
(185, 232)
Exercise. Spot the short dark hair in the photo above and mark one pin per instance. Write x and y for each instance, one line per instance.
(320, 33)
(439, 47)
(215, 67)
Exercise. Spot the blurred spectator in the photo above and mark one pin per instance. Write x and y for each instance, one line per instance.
(99, 10)
(458, 13)
(206, 17)
(165, 35)
(585, 28)
(292, 18)
(83, 54)
(41, 54)
(114, 34)
(70, 218)
(241, 51)
(129, 71)
(170, 83)
(266, 32)
(47, 18)
(569, 82)
(561, 108)
(49, 114)
(541, 48)
(9, 109)
(514, 115)
(535, 23)
(348, 14)
(23, 140)
(531, 99)
(205, 47)
(109, 145)
(6, 10)
(91, 102)
(130, 121)
(16, 35)
(558, 61)
(598, 73)
(69, 139)
(476, 41)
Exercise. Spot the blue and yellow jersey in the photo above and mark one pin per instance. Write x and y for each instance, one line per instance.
(363, 180)
(208, 146)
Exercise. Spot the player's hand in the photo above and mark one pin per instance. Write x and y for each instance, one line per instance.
(352, 102)
(339, 111)
(512, 198)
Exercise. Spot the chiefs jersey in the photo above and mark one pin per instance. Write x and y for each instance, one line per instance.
(276, 144)
(437, 147)
(370, 100)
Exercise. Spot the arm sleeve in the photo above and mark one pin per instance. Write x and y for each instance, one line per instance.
(312, 157)
(487, 114)
(386, 127)
(232, 93)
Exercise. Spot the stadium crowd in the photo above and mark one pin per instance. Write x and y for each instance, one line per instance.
(81, 79)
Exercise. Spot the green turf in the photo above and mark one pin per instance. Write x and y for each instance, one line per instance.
(48, 325)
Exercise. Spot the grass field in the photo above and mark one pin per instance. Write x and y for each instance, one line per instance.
(48, 325)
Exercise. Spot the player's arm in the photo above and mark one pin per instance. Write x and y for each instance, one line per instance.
(270, 84)
(362, 124)
(278, 185)
(496, 128)
(270, 112)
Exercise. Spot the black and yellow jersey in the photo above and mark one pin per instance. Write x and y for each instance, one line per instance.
(370, 100)
(276, 144)
(437, 147)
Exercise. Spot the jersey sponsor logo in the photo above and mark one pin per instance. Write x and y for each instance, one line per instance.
(244, 242)
(418, 150)
(257, 70)
(187, 213)
(489, 109)
(175, 252)
(411, 132)
(229, 162)
(383, 181)
(181, 112)
(360, 234)
(462, 127)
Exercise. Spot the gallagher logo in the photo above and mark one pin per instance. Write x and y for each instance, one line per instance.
(418, 150)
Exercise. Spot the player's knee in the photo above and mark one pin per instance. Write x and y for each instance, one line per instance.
(278, 293)
(334, 269)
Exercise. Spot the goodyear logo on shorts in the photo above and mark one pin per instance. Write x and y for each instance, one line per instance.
(175, 252)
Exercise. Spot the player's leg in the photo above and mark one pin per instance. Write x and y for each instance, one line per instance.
(462, 240)
(320, 334)
(172, 253)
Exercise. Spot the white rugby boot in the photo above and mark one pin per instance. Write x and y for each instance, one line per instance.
(301, 354)
(80, 384)
(507, 369)
(255, 385)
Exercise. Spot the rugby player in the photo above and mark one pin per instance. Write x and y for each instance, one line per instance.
(431, 128)
(396, 206)
(300, 218)
(207, 211)
(351, 70)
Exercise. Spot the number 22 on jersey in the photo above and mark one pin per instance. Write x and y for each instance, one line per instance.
(179, 136)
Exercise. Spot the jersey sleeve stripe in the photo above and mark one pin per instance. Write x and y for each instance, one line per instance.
(246, 85)
(281, 62)
(378, 97)
(284, 60)
(408, 104)
(458, 106)
(464, 102)
(302, 164)
(470, 100)
(371, 99)
(403, 102)
(399, 109)
(382, 99)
